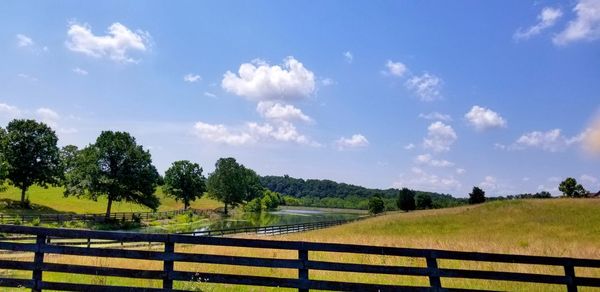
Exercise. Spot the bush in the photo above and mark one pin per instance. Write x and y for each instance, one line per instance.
(376, 205)
(35, 221)
(423, 201)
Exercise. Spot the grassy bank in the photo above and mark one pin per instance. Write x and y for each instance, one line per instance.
(540, 227)
(51, 200)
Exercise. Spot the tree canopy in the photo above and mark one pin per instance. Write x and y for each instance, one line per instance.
(115, 167)
(477, 196)
(184, 182)
(423, 201)
(406, 200)
(570, 188)
(232, 183)
(376, 205)
(30, 155)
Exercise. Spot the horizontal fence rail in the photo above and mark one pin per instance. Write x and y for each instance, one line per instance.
(98, 217)
(303, 263)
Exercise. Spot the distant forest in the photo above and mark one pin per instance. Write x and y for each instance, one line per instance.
(327, 193)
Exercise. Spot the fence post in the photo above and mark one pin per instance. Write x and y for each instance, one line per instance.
(570, 278)
(38, 261)
(303, 271)
(434, 276)
(168, 264)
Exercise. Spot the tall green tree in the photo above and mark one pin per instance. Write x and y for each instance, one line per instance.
(423, 201)
(232, 183)
(376, 204)
(184, 182)
(115, 167)
(68, 154)
(570, 188)
(31, 155)
(406, 200)
(477, 196)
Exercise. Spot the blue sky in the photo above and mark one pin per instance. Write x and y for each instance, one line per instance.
(431, 95)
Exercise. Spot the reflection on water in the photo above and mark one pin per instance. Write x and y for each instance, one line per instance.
(279, 217)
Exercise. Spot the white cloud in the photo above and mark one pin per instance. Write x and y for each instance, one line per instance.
(439, 137)
(348, 56)
(410, 146)
(24, 41)
(588, 179)
(482, 118)
(461, 171)
(436, 117)
(277, 111)
(221, 134)
(115, 45)
(260, 81)
(8, 112)
(427, 86)
(552, 141)
(251, 133)
(191, 78)
(327, 81)
(395, 68)
(80, 71)
(356, 141)
(547, 18)
(591, 139)
(52, 119)
(27, 76)
(489, 183)
(427, 159)
(210, 94)
(586, 25)
(421, 180)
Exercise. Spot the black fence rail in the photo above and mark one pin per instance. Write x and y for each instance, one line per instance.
(303, 263)
(98, 217)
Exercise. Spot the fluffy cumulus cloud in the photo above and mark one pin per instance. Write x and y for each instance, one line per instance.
(356, 141)
(439, 137)
(585, 26)
(436, 117)
(483, 118)
(426, 86)
(395, 68)
(551, 141)
(419, 179)
(115, 45)
(251, 133)
(489, 183)
(427, 159)
(191, 78)
(547, 18)
(276, 111)
(260, 81)
(24, 41)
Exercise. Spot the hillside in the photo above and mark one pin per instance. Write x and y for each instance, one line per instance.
(327, 193)
(51, 200)
(557, 227)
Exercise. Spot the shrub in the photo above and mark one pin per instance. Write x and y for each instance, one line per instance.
(376, 205)
(423, 201)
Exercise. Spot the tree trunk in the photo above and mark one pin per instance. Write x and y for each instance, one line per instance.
(186, 205)
(23, 190)
(225, 209)
(108, 208)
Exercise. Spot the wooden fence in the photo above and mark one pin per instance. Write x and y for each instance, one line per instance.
(98, 217)
(303, 263)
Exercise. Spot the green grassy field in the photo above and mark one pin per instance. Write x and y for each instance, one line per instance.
(561, 227)
(51, 200)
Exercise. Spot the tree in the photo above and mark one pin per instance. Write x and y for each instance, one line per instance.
(406, 200)
(477, 196)
(232, 183)
(3, 164)
(423, 201)
(67, 158)
(376, 204)
(115, 167)
(570, 188)
(31, 155)
(184, 182)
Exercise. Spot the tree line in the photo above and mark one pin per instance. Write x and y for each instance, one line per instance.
(117, 168)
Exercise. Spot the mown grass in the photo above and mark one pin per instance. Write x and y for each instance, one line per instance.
(51, 200)
(538, 227)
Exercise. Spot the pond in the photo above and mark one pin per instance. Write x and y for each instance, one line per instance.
(282, 216)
